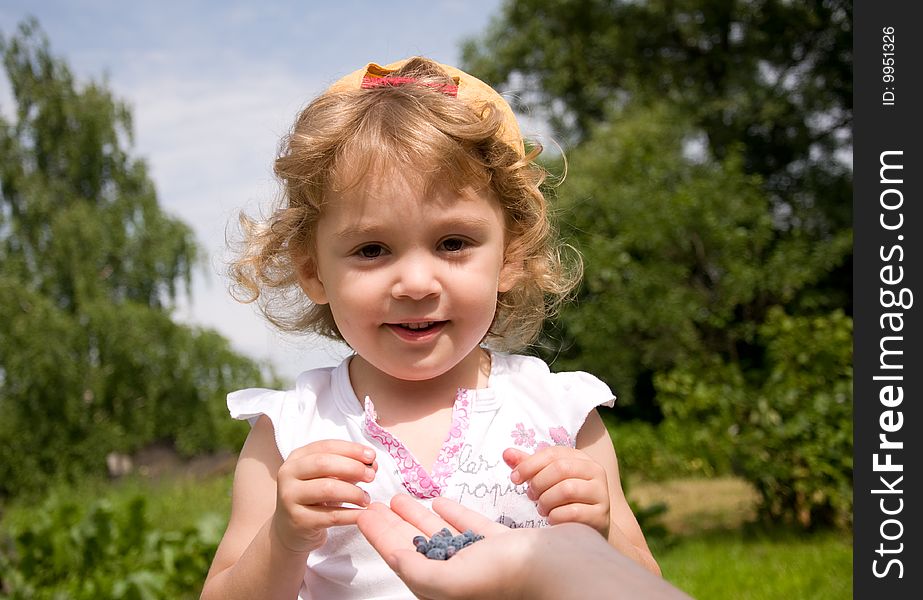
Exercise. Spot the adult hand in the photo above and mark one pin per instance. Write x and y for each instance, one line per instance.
(312, 485)
(563, 562)
(471, 573)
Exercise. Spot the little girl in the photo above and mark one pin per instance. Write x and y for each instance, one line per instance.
(412, 228)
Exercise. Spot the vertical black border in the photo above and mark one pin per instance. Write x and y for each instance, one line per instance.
(879, 127)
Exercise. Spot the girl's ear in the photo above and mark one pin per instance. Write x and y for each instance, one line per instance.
(310, 281)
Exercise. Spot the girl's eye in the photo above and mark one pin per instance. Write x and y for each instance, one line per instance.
(371, 251)
(453, 245)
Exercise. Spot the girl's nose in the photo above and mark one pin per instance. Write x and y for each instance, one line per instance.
(416, 278)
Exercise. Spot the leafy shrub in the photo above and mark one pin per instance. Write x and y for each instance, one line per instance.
(666, 450)
(789, 434)
(105, 550)
(112, 378)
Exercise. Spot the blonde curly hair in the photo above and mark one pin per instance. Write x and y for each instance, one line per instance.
(346, 135)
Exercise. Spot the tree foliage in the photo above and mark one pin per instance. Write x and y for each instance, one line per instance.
(682, 257)
(709, 189)
(788, 433)
(90, 360)
(769, 80)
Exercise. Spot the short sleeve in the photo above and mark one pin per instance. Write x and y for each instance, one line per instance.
(544, 408)
(249, 404)
(291, 412)
(585, 390)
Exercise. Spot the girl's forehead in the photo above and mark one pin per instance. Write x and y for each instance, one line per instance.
(409, 195)
(367, 161)
(403, 200)
(390, 182)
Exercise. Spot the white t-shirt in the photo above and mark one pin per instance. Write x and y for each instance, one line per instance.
(524, 406)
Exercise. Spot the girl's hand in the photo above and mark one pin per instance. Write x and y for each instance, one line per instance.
(567, 485)
(311, 486)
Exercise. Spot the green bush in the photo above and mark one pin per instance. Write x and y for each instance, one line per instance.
(789, 434)
(665, 451)
(112, 378)
(106, 550)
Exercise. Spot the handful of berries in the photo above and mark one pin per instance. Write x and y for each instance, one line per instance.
(443, 544)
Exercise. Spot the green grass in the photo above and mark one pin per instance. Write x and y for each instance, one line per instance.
(771, 565)
(708, 556)
(713, 552)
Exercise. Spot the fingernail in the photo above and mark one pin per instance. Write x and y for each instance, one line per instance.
(516, 477)
(369, 474)
(368, 454)
(530, 494)
(368, 499)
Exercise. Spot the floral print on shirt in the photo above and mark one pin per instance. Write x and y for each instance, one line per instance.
(557, 436)
(415, 478)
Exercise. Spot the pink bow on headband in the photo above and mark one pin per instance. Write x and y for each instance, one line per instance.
(371, 81)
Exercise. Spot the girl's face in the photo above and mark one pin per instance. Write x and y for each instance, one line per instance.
(411, 278)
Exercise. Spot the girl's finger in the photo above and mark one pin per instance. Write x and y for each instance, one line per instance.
(321, 492)
(360, 452)
(571, 491)
(529, 465)
(575, 513)
(317, 466)
(336, 516)
(562, 469)
(513, 456)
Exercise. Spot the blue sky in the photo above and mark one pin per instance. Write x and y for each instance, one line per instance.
(213, 86)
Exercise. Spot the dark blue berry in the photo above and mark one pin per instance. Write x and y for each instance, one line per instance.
(436, 554)
(443, 545)
(458, 542)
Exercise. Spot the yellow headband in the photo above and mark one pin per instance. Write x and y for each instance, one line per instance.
(470, 90)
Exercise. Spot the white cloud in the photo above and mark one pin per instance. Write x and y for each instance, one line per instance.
(210, 143)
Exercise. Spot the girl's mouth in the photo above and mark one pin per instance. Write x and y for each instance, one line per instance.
(417, 326)
(418, 330)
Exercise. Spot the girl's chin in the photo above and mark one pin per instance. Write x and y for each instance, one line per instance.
(415, 373)
(410, 370)
(417, 364)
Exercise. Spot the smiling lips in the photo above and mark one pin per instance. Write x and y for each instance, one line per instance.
(423, 325)
(418, 330)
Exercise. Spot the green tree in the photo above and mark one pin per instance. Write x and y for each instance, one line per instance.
(769, 80)
(90, 359)
(708, 191)
(763, 87)
(682, 257)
